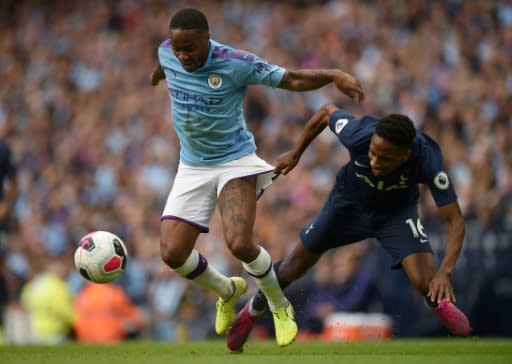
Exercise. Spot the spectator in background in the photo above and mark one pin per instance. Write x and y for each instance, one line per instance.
(105, 314)
(492, 313)
(8, 194)
(49, 302)
(165, 295)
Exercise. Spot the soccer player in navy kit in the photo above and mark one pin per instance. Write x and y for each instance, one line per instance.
(207, 82)
(375, 196)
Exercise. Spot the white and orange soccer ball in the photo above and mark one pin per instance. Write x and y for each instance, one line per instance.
(101, 257)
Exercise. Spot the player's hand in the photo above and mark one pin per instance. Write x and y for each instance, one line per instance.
(440, 288)
(286, 162)
(157, 75)
(349, 86)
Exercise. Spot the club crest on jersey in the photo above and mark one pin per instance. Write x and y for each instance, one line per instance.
(441, 180)
(214, 81)
(340, 124)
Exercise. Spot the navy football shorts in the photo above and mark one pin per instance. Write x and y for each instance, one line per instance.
(400, 233)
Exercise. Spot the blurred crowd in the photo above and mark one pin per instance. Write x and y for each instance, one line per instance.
(95, 148)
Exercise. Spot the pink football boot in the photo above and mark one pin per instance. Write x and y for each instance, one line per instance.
(453, 318)
(241, 329)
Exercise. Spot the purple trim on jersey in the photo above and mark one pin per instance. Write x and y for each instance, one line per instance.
(166, 44)
(204, 229)
(227, 53)
(201, 267)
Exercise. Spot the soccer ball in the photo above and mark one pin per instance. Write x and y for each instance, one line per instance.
(101, 257)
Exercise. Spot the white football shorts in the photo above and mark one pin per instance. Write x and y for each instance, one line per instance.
(193, 196)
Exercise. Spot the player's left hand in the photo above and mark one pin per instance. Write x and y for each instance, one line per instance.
(440, 288)
(350, 86)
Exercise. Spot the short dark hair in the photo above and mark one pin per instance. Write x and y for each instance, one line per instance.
(397, 129)
(189, 18)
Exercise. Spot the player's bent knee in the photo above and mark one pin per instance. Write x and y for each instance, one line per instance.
(171, 256)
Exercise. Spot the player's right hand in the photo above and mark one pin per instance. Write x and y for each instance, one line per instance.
(440, 288)
(286, 162)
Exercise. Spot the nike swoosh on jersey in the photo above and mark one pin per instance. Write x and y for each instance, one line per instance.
(360, 164)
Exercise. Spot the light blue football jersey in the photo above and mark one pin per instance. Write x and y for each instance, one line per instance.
(206, 105)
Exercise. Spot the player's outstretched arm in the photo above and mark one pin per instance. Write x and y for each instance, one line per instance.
(315, 125)
(440, 286)
(312, 79)
(156, 75)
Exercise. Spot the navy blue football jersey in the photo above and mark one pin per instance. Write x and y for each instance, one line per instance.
(401, 187)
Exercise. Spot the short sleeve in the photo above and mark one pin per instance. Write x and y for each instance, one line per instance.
(265, 73)
(435, 176)
(351, 131)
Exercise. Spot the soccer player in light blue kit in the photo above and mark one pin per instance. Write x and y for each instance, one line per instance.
(207, 82)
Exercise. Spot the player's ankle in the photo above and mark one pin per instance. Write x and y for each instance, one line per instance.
(255, 311)
(430, 303)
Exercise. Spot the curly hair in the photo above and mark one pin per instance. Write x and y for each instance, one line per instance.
(189, 18)
(397, 129)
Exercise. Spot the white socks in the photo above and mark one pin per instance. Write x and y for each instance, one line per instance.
(197, 269)
(262, 271)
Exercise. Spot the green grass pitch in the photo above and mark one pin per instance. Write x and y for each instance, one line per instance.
(449, 351)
